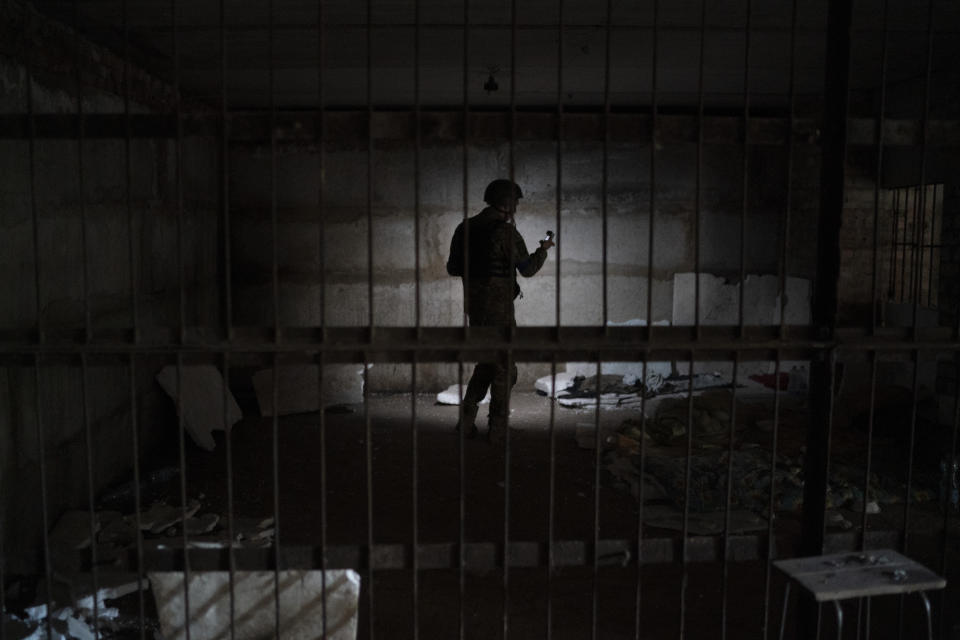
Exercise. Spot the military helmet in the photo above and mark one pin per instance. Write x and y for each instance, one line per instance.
(502, 193)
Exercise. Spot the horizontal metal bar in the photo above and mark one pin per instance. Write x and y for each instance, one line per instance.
(626, 124)
(449, 344)
(482, 556)
(638, 25)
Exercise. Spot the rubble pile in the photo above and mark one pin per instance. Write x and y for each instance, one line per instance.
(750, 469)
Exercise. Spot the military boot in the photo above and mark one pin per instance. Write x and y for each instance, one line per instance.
(468, 420)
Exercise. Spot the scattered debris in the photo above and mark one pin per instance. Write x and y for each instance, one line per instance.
(121, 532)
(710, 419)
(301, 596)
(586, 435)
(302, 389)
(628, 390)
(72, 608)
(152, 485)
(752, 472)
(203, 524)
(837, 519)
(702, 524)
(873, 507)
(452, 396)
(73, 530)
(564, 380)
(162, 516)
(198, 391)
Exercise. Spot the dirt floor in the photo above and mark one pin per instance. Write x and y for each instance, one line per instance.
(502, 496)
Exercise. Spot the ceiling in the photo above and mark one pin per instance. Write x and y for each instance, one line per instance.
(273, 50)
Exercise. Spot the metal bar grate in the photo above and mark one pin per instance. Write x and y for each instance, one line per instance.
(757, 216)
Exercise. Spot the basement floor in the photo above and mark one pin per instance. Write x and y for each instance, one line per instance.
(669, 595)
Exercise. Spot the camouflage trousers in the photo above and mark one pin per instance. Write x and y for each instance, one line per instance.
(499, 379)
(491, 304)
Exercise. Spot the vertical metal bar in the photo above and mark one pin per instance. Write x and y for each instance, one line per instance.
(869, 463)
(782, 268)
(685, 527)
(415, 513)
(461, 466)
(828, 259)
(914, 231)
(905, 244)
(416, 270)
(881, 118)
(84, 373)
(783, 262)
(228, 306)
(894, 249)
(44, 505)
(604, 179)
(783, 612)
(277, 322)
(466, 172)
(552, 497)
(181, 450)
(3, 562)
(605, 318)
(597, 448)
(274, 228)
(511, 155)
(725, 587)
(462, 509)
(934, 242)
(866, 474)
(91, 486)
(506, 505)
(772, 504)
(178, 175)
(368, 446)
(924, 132)
(698, 184)
(510, 330)
(951, 455)
(275, 451)
(559, 161)
(653, 169)
(32, 158)
(128, 172)
(638, 596)
(40, 339)
(832, 176)
(416, 164)
(134, 431)
(81, 182)
(228, 446)
(369, 192)
(905, 535)
(225, 177)
(921, 236)
(745, 168)
(321, 180)
(323, 493)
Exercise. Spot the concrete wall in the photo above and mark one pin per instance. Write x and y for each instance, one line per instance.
(322, 253)
(79, 234)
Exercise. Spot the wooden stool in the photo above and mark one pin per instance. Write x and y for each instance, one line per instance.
(841, 576)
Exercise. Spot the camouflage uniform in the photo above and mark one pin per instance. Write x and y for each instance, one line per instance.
(496, 252)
